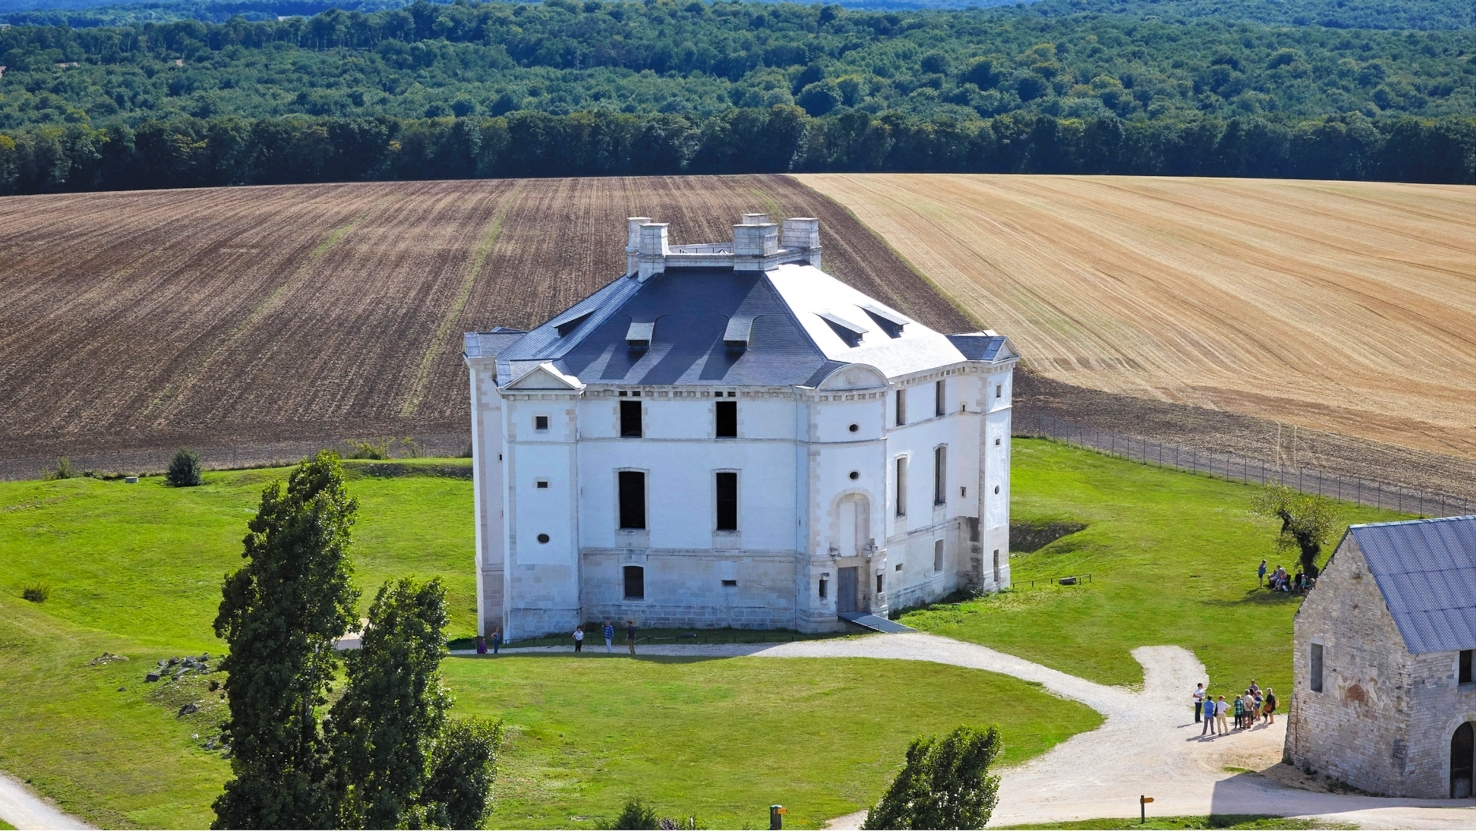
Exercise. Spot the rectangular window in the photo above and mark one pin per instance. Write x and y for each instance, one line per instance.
(540, 422)
(730, 583)
(727, 419)
(901, 486)
(999, 390)
(940, 474)
(879, 584)
(940, 398)
(1465, 672)
(635, 583)
(997, 574)
(632, 499)
(1315, 676)
(823, 587)
(541, 484)
(727, 501)
(901, 407)
(630, 419)
(937, 555)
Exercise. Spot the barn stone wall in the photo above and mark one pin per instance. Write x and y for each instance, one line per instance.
(1384, 718)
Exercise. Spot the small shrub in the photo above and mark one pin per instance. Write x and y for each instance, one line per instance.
(184, 470)
(37, 592)
(369, 450)
(637, 815)
(411, 449)
(63, 470)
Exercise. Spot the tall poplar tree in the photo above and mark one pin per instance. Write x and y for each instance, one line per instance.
(280, 614)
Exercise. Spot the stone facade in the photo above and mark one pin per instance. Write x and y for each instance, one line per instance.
(1384, 717)
(880, 482)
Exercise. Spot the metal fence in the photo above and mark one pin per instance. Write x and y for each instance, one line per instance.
(1247, 469)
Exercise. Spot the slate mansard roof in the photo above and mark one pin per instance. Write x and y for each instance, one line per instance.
(1426, 570)
(713, 319)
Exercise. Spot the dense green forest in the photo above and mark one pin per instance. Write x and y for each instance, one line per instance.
(660, 86)
(1338, 14)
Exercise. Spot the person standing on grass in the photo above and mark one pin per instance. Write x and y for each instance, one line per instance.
(579, 639)
(1198, 701)
(630, 635)
(609, 637)
(1209, 715)
(496, 640)
(1261, 574)
(1222, 715)
(1270, 706)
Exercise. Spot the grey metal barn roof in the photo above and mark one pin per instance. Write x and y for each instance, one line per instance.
(1426, 570)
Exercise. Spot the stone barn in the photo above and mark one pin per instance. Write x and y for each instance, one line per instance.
(1384, 697)
(725, 435)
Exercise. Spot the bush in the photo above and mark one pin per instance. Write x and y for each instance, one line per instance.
(63, 470)
(36, 592)
(944, 784)
(184, 470)
(637, 814)
(369, 449)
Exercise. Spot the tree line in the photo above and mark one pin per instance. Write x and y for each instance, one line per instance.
(700, 59)
(233, 151)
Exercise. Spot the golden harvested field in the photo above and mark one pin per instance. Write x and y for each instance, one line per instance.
(230, 317)
(1340, 306)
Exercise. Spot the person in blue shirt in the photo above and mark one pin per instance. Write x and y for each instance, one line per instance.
(496, 640)
(1261, 574)
(609, 637)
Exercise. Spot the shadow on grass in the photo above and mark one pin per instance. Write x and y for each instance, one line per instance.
(1261, 597)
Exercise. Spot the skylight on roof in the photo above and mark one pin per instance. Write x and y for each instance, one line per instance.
(890, 322)
(847, 331)
(638, 336)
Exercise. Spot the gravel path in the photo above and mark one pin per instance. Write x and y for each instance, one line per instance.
(1148, 745)
(21, 807)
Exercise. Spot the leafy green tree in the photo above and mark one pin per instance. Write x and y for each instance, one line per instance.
(184, 469)
(280, 614)
(457, 793)
(393, 710)
(1307, 522)
(945, 783)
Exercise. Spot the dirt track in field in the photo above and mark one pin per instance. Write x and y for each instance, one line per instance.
(265, 321)
(1340, 307)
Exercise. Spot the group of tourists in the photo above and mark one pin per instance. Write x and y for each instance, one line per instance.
(608, 631)
(1246, 709)
(1280, 581)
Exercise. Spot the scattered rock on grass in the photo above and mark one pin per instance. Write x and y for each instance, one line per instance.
(151, 677)
(189, 708)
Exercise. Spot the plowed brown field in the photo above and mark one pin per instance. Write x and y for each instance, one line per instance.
(1344, 307)
(270, 316)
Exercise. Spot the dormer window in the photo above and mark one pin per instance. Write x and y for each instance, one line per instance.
(638, 336)
(847, 331)
(570, 321)
(738, 333)
(890, 322)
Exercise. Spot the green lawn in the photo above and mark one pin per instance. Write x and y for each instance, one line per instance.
(724, 739)
(1173, 561)
(136, 570)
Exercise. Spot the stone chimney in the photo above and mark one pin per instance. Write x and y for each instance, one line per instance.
(802, 233)
(633, 243)
(651, 249)
(754, 240)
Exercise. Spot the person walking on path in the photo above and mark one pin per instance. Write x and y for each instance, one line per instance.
(496, 640)
(1222, 715)
(1261, 576)
(630, 635)
(1239, 712)
(609, 637)
(1270, 706)
(1198, 701)
(579, 639)
(1209, 716)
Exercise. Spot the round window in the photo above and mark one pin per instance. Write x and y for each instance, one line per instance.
(855, 474)
(543, 538)
(996, 488)
(855, 427)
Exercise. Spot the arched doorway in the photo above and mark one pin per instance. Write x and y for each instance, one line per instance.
(1462, 752)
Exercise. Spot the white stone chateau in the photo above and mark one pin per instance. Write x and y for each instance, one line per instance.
(726, 435)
